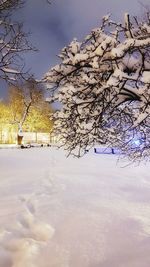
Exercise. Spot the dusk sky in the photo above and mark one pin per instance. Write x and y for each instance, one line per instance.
(54, 26)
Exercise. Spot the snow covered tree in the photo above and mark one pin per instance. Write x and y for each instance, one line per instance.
(103, 87)
(8, 5)
(13, 42)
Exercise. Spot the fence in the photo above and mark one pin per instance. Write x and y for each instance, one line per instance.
(9, 137)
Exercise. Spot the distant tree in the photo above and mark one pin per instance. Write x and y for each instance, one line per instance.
(103, 86)
(13, 42)
(26, 104)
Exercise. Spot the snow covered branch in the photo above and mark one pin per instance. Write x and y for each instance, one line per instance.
(13, 43)
(9, 5)
(103, 86)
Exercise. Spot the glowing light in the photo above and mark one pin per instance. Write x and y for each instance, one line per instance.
(137, 142)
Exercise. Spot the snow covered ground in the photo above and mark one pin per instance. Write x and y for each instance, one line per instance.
(66, 212)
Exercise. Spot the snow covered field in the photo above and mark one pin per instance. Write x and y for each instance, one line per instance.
(65, 212)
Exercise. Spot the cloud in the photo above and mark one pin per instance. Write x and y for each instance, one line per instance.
(54, 26)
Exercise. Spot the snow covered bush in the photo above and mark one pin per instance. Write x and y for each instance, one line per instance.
(103, 86)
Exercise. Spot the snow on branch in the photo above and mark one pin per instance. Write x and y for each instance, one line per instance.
(103, 86)
(13, 42)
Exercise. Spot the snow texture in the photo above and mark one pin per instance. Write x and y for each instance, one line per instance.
(68, 212)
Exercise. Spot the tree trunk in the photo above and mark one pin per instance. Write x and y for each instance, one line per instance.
(19, 139)
(19, 135)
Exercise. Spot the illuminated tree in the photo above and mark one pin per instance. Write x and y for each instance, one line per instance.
(21, 101)
(38, 119)
(103, 87)
(5, 126)
(25, 110)
(4, 113)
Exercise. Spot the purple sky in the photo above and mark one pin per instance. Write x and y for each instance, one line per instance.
(53, 26)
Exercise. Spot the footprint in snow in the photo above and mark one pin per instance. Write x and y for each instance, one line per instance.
(23, 242)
